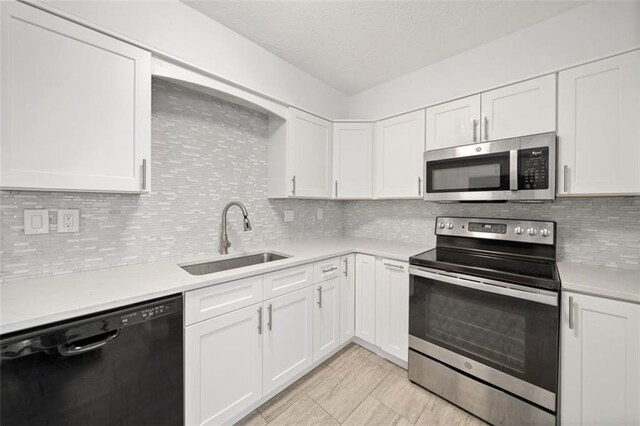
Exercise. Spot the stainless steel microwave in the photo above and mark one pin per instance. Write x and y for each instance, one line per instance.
(518, 169)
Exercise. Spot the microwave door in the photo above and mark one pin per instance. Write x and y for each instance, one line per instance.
(491, 176)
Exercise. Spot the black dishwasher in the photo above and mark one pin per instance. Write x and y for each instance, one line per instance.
(120, 367)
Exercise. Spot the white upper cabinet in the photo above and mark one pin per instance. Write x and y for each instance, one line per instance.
(392, 311)
(398, 149)
(76, 107)
(300, 156)
(353, 160)
(454, 123)
(598, 127)
(600, 361)
(520, 109)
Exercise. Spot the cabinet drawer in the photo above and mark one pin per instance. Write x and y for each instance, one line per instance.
(219, 299)
(281, 282)
(326, 270)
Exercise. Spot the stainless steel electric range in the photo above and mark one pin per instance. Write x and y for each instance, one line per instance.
(483, 318)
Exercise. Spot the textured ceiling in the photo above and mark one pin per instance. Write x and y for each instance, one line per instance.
(355, 45)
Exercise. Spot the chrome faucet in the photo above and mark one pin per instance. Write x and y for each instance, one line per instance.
(225, 243)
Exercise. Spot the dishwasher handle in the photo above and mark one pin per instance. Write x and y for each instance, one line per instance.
(71, 349)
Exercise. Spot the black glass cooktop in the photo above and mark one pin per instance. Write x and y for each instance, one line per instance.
(531, 271)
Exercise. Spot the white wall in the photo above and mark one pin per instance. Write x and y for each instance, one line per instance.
(579, 35)
(177, 29)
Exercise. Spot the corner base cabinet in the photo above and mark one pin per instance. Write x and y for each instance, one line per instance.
(600, 361)
(76, 107)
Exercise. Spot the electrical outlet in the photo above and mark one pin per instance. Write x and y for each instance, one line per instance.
(69, 220)
(288, 215)
(319, 214)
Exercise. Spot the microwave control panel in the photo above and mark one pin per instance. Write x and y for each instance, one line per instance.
(533, 168)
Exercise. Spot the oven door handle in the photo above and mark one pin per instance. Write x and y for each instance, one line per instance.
(547, 299)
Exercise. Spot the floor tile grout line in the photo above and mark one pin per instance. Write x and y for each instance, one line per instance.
(390, 408)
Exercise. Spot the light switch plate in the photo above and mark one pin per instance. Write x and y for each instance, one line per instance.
(36, 222)
(69, 220)
(288, 215)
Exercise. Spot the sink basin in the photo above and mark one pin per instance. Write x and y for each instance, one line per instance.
(232, 263)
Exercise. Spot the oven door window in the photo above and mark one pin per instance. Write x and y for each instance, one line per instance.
(477, 173)
(516, 336)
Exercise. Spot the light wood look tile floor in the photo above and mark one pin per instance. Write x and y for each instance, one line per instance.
(357, 387)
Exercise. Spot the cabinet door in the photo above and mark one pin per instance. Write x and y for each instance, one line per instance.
(223, 366)
(392, 310)
(599, 135)
(76, 106)
(600, 361)
(347, 297)
(310, 156)
(326, 318)
(520, 109)
(288, 338)
(366, 297)
(454, 123)
(399, 148)
(353, 160)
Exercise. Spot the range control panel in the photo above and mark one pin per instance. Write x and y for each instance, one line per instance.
(525, 231)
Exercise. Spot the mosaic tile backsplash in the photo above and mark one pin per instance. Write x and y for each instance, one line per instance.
(205, 153)
(597, 231)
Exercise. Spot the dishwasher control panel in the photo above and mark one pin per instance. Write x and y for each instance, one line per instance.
(146, 313)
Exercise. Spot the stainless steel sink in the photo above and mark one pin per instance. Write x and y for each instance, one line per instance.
(232, 263)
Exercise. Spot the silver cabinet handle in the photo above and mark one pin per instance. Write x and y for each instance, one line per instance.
(475, 131)
(293, 180)
(336, 188)
(571, 313)
(486, 128)
(260, 320)
(144, 173)
(566, 178)
(270, 320)
(346, 266)
(419, 185)
(394, 266)
(320, 297)
(326, 271)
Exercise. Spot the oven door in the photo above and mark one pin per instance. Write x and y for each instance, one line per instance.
(479, 172)
(505, 335)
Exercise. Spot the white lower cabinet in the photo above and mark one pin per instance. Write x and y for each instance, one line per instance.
(347, 297)
(223, 366)
(326, 318)
(600, 361)
(392, 307)
(288, 337)
(366, 297)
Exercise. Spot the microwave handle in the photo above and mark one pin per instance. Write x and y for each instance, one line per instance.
(513, 170)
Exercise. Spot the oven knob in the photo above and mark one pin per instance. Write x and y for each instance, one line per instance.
(441, 225)
(532, 231)
(449, 225)
(519, 230)
(545, 232)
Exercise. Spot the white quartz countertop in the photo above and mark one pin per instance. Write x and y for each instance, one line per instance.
(600, 281)
(30, 303)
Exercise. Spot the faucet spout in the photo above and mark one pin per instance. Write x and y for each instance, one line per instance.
(225, 243)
